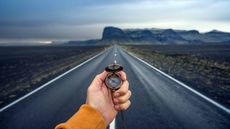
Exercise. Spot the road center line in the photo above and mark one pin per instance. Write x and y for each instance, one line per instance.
(112, 125)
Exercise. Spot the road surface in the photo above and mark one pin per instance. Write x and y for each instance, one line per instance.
(158, 102)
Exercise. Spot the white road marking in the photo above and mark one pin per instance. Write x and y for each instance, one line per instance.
(184, 85)
(112, 125)
(46, 84)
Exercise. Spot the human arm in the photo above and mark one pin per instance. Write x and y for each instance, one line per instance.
(102, 105)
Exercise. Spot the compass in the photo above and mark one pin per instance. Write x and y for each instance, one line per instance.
(113, 79)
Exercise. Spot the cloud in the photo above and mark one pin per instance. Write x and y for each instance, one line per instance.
(84, 19)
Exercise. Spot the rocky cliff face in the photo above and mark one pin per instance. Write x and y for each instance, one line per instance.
(163, 36)
(139, 35)
(113, 35)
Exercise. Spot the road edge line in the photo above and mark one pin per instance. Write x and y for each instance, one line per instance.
(184, 85)
(47, 83)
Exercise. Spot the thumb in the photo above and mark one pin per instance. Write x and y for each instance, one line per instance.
(99, 79)
(102, 76)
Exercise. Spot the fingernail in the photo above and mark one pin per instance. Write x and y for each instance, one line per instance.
(115, 100)
(116, 94)
(117, 107)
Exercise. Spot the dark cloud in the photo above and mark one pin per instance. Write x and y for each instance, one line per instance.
(82, 19)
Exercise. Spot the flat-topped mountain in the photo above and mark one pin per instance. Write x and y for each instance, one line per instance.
(157, 36)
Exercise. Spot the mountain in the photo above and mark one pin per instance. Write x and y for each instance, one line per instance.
(167, 36)
(170, 36)
(218, 36)
(113, 35)
(141, 36)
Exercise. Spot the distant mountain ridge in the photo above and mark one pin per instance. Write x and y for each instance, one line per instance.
(157, 36)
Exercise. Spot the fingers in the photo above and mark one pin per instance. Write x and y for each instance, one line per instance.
(123, 75)
(123, 89)
(122, 99)
(122, 102)
(123, 106)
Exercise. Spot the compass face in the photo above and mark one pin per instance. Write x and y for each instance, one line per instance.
(113, 81)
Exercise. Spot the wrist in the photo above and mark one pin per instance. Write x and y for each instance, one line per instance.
(103, 114)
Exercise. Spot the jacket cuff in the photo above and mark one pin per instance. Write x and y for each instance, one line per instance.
(86, 118)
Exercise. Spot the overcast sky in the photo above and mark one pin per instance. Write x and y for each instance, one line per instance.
(46, 20)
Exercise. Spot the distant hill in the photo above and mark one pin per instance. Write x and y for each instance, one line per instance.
(156, 36)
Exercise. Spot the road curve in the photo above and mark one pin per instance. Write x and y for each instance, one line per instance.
(157, 101)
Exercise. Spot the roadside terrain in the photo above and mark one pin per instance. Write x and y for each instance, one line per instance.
(23, 69)
(205, 68)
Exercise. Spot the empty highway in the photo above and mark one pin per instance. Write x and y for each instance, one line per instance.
(158, 102)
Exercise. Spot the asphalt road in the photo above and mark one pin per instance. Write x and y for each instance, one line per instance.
(157, 101)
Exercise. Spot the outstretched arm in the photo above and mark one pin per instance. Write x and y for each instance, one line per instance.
(101, 105)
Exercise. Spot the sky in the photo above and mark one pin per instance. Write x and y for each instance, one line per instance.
(62, 20)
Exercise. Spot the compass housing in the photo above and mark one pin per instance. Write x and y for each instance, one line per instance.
(113, 79)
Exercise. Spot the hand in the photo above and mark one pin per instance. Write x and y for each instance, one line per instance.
(104, 100)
